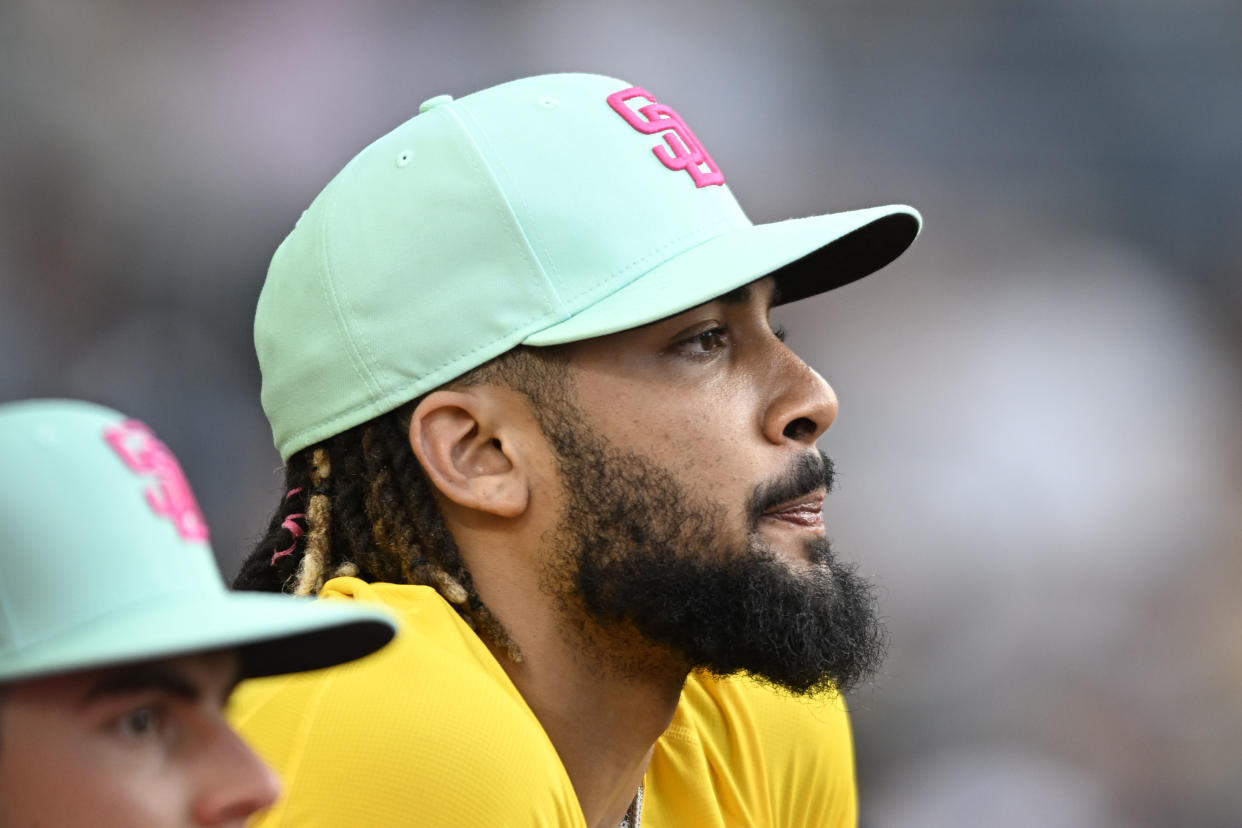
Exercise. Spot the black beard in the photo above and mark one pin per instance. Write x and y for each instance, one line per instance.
(634, 552)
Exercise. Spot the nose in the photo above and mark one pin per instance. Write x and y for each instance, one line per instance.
(802, 405)
(233, 782)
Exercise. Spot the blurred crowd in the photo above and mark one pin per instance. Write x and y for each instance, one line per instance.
(1037, 450)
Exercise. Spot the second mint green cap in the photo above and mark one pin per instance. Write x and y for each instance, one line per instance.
(104, 560)
(545, 210)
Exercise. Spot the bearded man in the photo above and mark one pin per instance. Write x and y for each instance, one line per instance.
(519, 361)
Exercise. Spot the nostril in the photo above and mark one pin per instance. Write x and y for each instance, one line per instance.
(800, 429)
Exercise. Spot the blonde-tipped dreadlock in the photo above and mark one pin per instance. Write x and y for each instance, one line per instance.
(309, 579)
(370, 512)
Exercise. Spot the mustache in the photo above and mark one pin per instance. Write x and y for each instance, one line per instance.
(812, 470)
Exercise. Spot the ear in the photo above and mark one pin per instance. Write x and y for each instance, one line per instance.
(455, 436)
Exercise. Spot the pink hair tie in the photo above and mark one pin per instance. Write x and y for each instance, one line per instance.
(292, 492)
(295, 529)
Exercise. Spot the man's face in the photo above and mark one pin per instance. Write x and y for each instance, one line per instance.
(135, 746)
(693, 499)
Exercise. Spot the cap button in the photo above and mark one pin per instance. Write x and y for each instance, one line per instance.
(432, 103)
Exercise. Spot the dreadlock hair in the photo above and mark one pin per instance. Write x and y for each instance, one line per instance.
(360, 504)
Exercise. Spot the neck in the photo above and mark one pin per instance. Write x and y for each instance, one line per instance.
(603, 725)
(602, 697)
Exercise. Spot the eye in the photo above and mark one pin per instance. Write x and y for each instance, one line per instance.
(140, 723)
(706, 342)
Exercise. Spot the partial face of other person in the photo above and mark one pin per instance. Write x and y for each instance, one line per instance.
(135, 746)
(694, 494)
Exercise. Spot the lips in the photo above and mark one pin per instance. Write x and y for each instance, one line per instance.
(807, 510)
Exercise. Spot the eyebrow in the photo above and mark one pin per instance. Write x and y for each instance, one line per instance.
(130, 680)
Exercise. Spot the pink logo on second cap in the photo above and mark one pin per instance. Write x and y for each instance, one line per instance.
(681, 149)
(169, 495)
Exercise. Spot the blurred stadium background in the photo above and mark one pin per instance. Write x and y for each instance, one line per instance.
(1038, 437)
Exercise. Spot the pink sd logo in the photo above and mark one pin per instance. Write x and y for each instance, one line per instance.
(170, 494)
(681, 149)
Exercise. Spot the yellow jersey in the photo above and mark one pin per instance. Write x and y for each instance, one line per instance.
(430, 731)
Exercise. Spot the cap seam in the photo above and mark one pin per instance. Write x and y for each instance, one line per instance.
(362, 364)
(492, 162)
(482, 161)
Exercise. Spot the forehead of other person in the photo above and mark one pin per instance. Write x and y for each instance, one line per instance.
(143, 744)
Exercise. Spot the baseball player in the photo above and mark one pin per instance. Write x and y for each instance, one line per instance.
(518, 359)
(118, 641)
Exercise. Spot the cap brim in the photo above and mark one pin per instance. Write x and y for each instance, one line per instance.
(806, 255)
(273, 633)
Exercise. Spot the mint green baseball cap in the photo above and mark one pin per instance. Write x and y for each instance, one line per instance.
(104, 559)
(541, 211)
